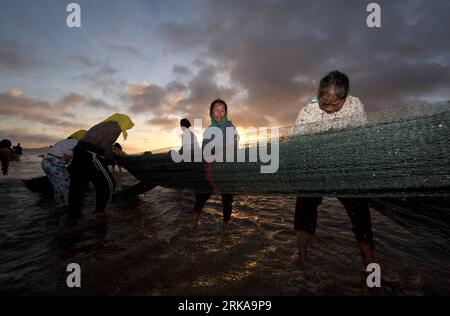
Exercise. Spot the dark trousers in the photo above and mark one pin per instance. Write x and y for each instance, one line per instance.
(357, 209)
(227, 204)
(83, 170)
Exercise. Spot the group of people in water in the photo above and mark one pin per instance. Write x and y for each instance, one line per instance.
(83, 157)
(332, 108)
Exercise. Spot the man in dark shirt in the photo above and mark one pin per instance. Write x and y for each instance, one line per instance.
(5, 154)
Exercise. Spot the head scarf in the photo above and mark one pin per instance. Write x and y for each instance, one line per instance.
(125, 123)
(218, 124)
(78, 135)
(211, 116)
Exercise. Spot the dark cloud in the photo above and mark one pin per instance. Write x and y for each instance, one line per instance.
(106, 71)
(276, 51)
(25, 137)
(13, 103)
(146, 97)
(415, 83)
(99, 74)
(107, 84)
(12, 56)
(100, 104)
(85, 61)
(73, 99)
(182, 35)
(163, 123)
(176, 87)
(121, 49)
(180, 99)
(203, 88)
(182, 70)
(100, 67)
(18, 57)
(68, 115)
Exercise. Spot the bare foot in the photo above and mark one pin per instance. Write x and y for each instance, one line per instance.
(302, 253)
(105, 216)
(225, 227)
(195, 219)
(367, 253)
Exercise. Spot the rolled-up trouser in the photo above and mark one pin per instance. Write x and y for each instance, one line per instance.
(357, 209)
(85, 168)
(227, 204)
(58, 176)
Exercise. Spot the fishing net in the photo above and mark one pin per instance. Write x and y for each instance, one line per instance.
(397, 153)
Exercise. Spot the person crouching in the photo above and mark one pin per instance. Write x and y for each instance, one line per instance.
(54, 165)
(90, 164)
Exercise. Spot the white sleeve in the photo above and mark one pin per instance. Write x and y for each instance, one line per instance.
(67, 147)
(360, 116)
(302, 123)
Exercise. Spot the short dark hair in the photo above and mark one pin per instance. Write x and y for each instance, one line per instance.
(220, 101)
(335, 81)
(118, 146)
(6, 143)
(185, 123)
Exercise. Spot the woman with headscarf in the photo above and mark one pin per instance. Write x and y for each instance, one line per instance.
(90, 164)
(54, 165)
(218, 112)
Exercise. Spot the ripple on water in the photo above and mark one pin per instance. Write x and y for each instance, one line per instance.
(148, 247)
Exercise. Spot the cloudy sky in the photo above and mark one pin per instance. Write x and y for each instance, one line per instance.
(159, 61)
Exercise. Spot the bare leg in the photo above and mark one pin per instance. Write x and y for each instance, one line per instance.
(367, 253)
(305, 220)
(304, 239)
(195, 219)
(200, 200)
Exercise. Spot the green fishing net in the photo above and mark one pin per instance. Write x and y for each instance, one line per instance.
(397, 153)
